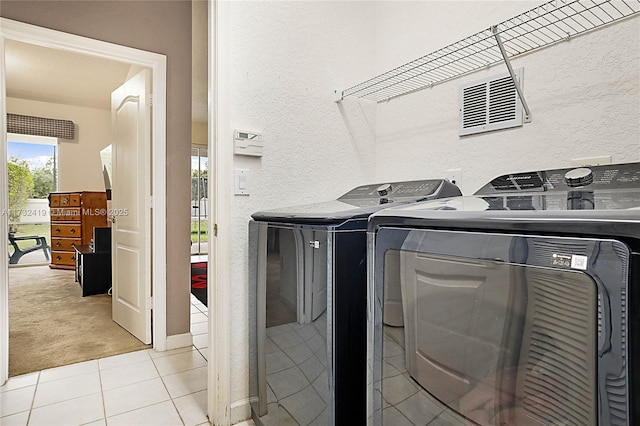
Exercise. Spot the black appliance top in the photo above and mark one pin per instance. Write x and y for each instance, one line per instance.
(600, 200)
(361, 202)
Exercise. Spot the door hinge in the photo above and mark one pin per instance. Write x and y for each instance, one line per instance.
(215, 229)
(150, 99)
(150, 303)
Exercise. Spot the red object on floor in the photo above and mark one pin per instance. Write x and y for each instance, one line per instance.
(199, 281)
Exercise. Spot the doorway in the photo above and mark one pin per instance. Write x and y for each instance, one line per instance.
(199, 203)
(24, 33)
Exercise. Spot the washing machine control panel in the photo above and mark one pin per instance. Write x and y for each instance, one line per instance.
(608, 187)
(394, 191)
(578, 177)
(605, 177)
(384, 189)
(362, 201)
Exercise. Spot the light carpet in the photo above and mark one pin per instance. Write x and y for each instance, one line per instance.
(51, 324)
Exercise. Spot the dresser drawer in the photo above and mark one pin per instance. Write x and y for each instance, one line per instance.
(64, 244)
(61, 199)
(63, 257)
(66, 230)
(65, 214)
(74, 200)
(69, 200)
(54, 200)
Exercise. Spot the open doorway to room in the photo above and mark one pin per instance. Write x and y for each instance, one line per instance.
(65, 83)
(200, 214)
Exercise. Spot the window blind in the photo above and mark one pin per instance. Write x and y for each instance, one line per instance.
(39, 126)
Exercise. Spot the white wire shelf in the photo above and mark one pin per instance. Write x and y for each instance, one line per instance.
(550, 23)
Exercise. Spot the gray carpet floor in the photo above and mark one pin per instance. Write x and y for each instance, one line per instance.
(51, 324)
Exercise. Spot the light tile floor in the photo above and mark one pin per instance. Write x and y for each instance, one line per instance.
(137, 388)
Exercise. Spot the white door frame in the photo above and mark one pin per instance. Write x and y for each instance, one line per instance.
(27, 33)
(219, 272)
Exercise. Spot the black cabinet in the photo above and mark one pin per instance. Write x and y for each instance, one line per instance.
(93, 263)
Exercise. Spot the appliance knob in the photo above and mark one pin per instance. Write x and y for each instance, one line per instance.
(384, 189)
(578, 177)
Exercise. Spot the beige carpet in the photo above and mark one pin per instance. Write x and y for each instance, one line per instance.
(51, 324)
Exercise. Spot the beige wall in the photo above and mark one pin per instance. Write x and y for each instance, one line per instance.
(79, 167)
(157, 26)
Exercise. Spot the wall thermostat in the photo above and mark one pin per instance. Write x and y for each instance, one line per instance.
(247, 143)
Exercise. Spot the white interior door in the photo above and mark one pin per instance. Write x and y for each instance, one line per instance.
(131, 206)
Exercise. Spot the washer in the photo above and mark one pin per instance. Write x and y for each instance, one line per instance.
(308, 303)
(519, 304)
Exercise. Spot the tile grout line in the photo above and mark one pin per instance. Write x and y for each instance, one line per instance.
(168, 393)
(62, 401)
(143, 381)
(104, 406)
(33, 399)
(140, 407)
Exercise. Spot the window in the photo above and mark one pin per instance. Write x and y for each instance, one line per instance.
(32, 175)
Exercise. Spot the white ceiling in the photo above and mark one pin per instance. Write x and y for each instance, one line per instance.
(48, 75)
(41, 74)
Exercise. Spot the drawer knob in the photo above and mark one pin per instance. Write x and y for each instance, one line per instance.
(73, 230)
(57, 230)
(58, 257)
(58, 244)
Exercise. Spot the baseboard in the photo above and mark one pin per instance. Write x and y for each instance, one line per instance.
(179, 341)
(240, 411)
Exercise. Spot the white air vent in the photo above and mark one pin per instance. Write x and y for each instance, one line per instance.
(490, 104)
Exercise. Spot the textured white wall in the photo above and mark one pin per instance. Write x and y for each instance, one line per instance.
(287, 58)
(584, 95)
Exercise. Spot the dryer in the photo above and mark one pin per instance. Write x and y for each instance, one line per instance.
(308, 304)
(519, 303)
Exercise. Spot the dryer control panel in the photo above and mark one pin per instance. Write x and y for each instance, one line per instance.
(382, 193)
(363, 201)
(608, 187)
(606, 177)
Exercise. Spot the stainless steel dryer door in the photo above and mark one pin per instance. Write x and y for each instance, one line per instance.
(499, 329)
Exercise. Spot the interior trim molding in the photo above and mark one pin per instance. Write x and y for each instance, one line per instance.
(179, 341)
(4, 225)
(219, 272)
(240, 410)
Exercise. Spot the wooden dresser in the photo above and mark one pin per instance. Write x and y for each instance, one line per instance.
(73, 217)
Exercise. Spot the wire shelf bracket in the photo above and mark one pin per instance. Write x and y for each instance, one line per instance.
(507, 62)
(545, 25)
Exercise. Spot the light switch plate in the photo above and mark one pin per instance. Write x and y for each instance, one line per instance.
(241, 181)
